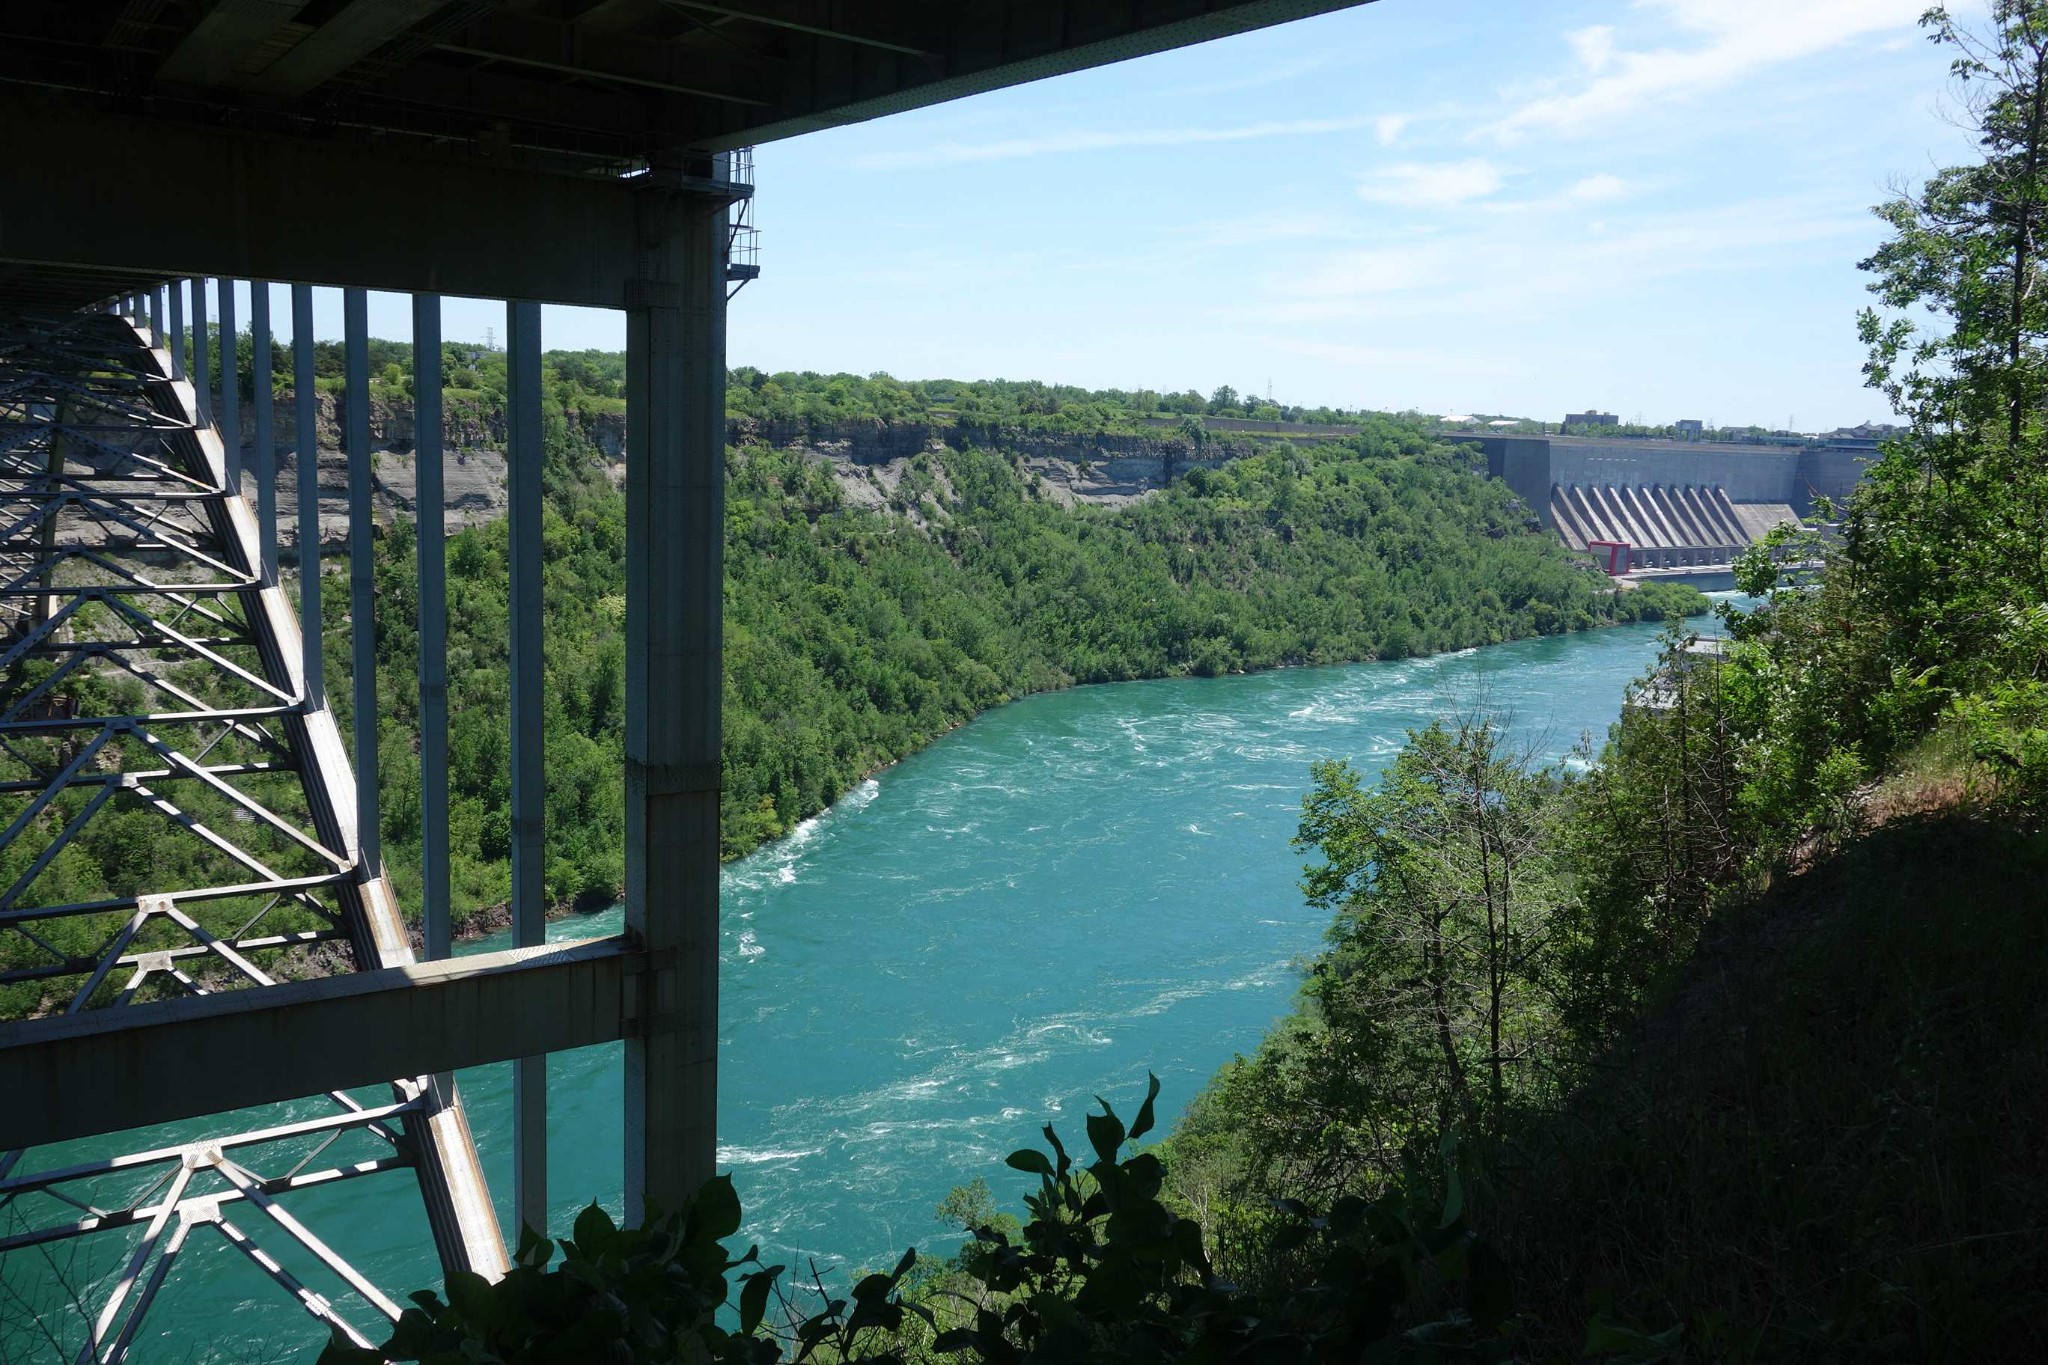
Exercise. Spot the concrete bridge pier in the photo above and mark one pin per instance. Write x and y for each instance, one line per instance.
(675, 519)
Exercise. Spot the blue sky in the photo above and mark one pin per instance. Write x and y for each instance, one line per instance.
(1654, 207)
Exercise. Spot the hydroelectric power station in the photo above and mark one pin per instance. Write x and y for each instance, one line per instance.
(1672, 508)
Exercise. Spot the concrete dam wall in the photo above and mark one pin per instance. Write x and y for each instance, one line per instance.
(1673, 504)
(1669, 527)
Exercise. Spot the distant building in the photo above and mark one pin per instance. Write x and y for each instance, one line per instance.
(1689, 428)
(1595, 418)
(1866, 434)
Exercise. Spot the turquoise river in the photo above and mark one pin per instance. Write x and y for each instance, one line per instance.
(1045, 904)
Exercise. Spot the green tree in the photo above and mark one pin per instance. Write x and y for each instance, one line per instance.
(1426, 1021)
(1934, 610)
(1442, 889)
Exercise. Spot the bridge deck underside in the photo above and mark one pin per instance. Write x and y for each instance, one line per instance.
(1664, 526)
(176, 820)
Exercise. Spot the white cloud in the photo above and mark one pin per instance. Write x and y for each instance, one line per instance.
(1492, 272)
(1591, 189)
(1596, 189)
(1416, 185)
(1373, 271)
(1594, 46)
(1098, 140)
(1729, 40)
(1387, 128)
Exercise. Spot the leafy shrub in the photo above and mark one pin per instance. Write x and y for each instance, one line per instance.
(632, 1295)
(1104, 1271)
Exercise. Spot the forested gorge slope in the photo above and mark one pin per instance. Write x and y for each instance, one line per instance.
(854, 635)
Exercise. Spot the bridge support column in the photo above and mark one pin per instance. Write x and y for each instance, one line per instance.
(306, 462)
(362, 576)
(431, 549)
(202, 355)
(675, 514)
(229, 419)
(264, 414)
(177, 336)
(523, 457)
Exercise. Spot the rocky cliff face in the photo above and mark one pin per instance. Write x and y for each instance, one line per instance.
(868, 458)
(473, 475)
(466, 425)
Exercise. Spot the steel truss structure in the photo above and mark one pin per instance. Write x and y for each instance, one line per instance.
(153, 676)
(153, 694)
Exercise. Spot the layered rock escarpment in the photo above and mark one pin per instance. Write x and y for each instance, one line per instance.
(473, 473)
(868, 459)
